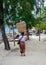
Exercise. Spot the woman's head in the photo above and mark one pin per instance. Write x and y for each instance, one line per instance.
(22, 33)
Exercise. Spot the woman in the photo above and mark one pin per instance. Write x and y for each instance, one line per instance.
(22, 39)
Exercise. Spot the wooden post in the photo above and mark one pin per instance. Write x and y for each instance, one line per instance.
(13, 34)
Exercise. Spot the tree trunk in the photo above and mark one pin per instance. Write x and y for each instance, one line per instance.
(6, 42)
(13, 34)
(27, 32)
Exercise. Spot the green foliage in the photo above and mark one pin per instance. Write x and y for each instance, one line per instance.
(1, 9)
(42, 26)
(16, 10)
(41, 17)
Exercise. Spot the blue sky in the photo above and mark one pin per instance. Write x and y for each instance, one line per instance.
(45, 3)
(11, 31)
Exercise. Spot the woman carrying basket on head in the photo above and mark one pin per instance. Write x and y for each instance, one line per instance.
(22, 39)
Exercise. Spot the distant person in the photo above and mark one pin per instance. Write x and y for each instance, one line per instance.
(22, 39)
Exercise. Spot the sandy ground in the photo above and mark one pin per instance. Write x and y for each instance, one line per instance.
(35, 53)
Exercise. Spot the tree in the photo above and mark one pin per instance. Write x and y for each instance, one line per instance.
(16, 10)
(19, 10)
(39, 5)
(6, 43)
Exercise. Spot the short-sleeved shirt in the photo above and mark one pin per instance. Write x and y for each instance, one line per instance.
(22, 38)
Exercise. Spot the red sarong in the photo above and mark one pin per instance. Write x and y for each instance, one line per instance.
(22, 46)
